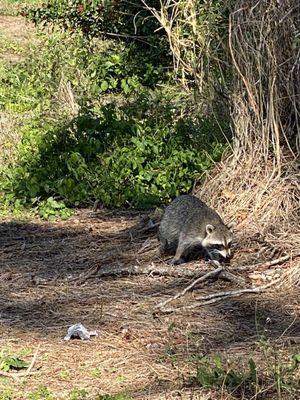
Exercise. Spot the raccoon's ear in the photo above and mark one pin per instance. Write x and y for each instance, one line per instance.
(209, 229)
(231, 226)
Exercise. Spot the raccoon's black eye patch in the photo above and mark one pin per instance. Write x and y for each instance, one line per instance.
(218, 246)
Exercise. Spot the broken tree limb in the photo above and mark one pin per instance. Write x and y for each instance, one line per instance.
(235, 293)
(208, 275)
(220, 296)
(178, 271)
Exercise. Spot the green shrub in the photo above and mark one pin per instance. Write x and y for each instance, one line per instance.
(121, 19)
(279, 375)
(78, 394)
(113, 157)
(213, 373)
(119, 396)
(144, 45)
(133, 143)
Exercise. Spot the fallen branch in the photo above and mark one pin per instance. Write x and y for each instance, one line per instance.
(9, 374)
(15, 375)
(184, 271)
(208, 275)
(218, 296)
(266, 264)
(27, 372)
(238, 292)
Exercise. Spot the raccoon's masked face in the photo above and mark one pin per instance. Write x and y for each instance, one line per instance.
(218, 240)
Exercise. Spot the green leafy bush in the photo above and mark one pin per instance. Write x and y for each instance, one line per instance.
(111, 156)
(118, 21)
(213, 373)
(110, 18)
(133, 143)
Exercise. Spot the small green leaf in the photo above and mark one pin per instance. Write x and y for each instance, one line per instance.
(104, 86)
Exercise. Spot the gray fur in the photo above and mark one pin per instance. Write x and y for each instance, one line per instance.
(189, 222)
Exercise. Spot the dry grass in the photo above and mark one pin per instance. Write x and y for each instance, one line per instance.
(16, 35)
(259, 200)
(258, 185)
(192, 30)
(9, 137)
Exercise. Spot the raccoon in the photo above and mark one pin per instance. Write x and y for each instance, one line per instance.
(187, 223)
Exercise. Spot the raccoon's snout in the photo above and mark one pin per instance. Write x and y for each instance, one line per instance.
(222, 249)
(225, 253)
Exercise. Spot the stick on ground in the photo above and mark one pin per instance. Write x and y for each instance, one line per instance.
(209, 275)
(267, 264)
(160, 270)
(218, 296)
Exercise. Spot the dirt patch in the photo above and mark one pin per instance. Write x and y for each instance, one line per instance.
(42, 293)
(15, 35)
(16, 29)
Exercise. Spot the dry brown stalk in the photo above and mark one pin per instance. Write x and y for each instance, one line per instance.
(258, 185)
(191, 28)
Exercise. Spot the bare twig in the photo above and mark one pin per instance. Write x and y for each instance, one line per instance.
(238, 292)
(218, 296)
(268, 263)
(32, 361)
(208, 275)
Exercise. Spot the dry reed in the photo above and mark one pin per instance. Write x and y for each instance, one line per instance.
(258, 185)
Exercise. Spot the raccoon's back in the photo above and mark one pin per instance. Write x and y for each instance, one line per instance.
(186, 212)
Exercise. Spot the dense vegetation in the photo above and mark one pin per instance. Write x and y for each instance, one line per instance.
(105, 118)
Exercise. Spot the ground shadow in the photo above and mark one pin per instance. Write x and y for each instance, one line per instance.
(50, 259)
(42, 293)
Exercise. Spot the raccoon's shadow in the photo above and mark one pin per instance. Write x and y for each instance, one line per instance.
(196, 253)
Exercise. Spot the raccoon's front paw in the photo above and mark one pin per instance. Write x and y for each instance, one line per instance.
(177, 261)
(162, 250)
